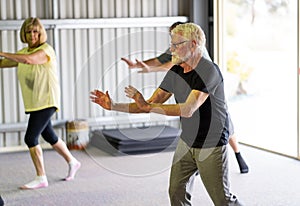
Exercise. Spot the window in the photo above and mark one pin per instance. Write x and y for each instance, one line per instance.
(260, 61)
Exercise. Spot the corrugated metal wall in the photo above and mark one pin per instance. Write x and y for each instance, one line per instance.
(89, 37)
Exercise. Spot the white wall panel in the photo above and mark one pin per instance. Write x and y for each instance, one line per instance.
(81, 89)
(3, 9)
(88, 55)
(148, 8)
(135, 8)
(65, 9)
(91, 9)
(93, 66)
(18, 9)
(32, 8)
(80, 9)
(109, 78)
(25, 9)
(108, 9)
(160, 8)
(97, 8)
(66, 68)
(121, 8)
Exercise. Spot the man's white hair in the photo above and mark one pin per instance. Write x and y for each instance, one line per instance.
(191, 31)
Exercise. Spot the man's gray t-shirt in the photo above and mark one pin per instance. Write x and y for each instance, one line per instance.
(208, 126)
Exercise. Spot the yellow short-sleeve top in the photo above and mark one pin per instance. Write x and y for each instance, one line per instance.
(39, 82)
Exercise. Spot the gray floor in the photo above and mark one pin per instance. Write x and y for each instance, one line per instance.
(142, 180)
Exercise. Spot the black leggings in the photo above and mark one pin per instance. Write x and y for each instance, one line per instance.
(39, 123)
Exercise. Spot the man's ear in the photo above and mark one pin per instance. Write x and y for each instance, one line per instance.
(194, 44)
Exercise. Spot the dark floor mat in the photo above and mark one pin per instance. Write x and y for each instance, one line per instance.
(136, 140)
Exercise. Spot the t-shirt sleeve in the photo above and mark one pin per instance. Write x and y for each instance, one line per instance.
(49, 51)
(165, 57)
(211, 78)
(22, 51)
(167, 82)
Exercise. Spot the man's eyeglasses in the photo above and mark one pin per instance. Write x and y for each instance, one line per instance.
(176, 45)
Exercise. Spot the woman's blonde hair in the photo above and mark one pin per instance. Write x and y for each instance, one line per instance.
(33, 22)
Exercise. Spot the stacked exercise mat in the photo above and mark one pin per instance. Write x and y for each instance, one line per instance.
(136, 140)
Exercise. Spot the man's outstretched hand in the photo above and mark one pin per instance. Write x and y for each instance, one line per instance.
(131, 64)
(100, 98)
(137, 64)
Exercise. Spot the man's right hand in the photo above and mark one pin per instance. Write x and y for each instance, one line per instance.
(102, 99)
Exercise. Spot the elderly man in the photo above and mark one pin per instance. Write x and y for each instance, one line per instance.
(198, 88)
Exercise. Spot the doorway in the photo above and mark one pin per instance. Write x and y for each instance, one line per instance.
(260, 45)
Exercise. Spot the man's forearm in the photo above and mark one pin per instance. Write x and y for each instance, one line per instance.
(163, 67)
(126, 107)
(152, 62)
(165, 109)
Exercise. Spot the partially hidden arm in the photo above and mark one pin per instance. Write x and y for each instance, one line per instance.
(157, 67)
(150, 65)
(7, 63)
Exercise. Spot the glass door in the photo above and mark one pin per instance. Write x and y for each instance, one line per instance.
(259, 48)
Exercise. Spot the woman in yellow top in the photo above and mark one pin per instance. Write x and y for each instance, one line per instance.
(37, 74)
